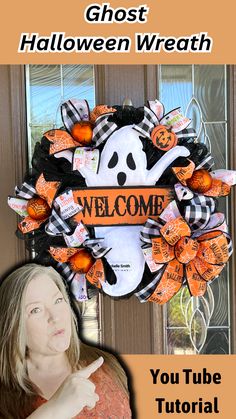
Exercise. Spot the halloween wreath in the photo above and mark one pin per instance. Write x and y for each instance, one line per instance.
(124, 199)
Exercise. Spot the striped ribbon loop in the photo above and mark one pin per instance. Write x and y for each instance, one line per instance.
(97, 250)
(73, 111)
(103, 129)
(150, 230)
(198, 212)
(26, 191)
(147, 124)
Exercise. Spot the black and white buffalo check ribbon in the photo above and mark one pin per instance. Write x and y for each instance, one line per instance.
(65, 270)
(198, 212)
(150, 230)
(148, 122)
(73, 111)
(186, 134)
(207, 163)
(56, 225)
(26, 191)
(97, 250)
(103, 129)
(144, 293)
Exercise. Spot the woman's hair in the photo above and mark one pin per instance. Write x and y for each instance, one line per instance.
(13, 348)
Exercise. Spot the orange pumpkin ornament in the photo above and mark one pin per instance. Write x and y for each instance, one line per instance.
(38, 208)
(200, 181)
(82, 132)
(82, 261)
(163, 138)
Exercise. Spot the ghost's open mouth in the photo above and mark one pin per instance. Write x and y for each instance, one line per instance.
(121, 178)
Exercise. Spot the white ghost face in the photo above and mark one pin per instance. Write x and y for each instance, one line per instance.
(123, 161)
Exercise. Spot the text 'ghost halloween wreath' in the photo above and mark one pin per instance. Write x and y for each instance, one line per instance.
(124, 200)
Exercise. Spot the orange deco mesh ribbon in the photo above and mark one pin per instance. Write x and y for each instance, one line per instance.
(60, 140)
(184, 173)
(28, 224)
(62, 254)
(170, 283)
(46, 190)
(174, 230)
(218, 188)
(96, 274)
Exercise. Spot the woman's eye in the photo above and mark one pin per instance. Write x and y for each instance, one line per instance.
(59, 300)
(35, 310)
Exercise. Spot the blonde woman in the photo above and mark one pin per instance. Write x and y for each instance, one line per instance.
(45, 371)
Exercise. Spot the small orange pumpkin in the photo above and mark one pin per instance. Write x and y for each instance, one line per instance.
(82, 261)
(82, 132)
(163, 138)
(200, 181)
(38, 208)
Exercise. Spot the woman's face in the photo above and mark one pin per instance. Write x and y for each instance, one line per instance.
(48, 318)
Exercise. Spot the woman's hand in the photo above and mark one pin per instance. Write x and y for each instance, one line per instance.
(76, 392)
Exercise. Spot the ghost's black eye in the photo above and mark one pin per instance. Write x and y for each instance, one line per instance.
(130, 162)
(114, 160)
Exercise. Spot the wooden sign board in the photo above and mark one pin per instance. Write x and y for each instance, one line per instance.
(121, 206)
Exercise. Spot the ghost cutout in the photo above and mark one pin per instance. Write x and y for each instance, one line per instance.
(123, 163)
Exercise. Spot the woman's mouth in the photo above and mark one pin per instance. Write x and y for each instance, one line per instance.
(59, 332)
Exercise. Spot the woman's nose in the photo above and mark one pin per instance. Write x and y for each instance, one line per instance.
(52, 316)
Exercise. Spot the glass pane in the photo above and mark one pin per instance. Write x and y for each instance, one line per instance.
(175, 315)
(179, 309)
(78, 82)
(193, 324)
(43, 95)
(217, 136)
(209, 89)
(179, 342)
(217, 342)
(220, 289)
(176, 86)
(47, 86)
